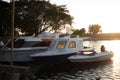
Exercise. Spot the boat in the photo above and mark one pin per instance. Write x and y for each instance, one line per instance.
(29, 43)
(24, 46)
(60, 49)
(91, 56)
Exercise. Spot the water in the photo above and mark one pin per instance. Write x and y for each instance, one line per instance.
(107, 70)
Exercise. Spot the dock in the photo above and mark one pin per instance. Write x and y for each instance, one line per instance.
(15, 72)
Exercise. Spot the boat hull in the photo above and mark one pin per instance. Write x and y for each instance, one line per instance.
(91, 58)
(53, 58)
(24, 49)
(18, 56)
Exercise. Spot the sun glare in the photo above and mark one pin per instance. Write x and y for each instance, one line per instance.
(114, 47)
(86, 12)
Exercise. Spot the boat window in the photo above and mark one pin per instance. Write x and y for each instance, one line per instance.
(61, 44)
(17, 43)
(52, 44)
(41, 44)
(72, 44)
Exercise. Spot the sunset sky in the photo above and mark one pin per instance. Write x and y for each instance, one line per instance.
(85, 12)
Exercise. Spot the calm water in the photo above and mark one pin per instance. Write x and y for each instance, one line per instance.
(108, 70)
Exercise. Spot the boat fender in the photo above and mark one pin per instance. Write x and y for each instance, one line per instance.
(102, 48)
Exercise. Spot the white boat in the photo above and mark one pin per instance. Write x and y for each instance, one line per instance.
(24, 46)
(91, 56)
(60, 49)
(30, 43)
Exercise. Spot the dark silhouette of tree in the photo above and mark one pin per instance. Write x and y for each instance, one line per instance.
(5, 18)
(80, 32)
(37, 16)
(94, 29)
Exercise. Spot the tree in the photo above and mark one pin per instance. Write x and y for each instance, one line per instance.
(37, 16)
(94, 29)
(80, 32)
(5, 18)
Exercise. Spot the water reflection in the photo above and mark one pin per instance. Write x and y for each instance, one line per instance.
(113, 45)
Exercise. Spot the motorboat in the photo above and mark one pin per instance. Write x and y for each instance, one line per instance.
(30, 43)
(24, 46)
(60, 49)
(91, 56)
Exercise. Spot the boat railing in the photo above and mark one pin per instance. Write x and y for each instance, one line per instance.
(9, 40)
(71, 36)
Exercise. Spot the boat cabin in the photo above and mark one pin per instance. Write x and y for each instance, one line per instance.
(67, 44)
(18, 43)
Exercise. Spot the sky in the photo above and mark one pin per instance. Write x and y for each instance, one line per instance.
(85, 12)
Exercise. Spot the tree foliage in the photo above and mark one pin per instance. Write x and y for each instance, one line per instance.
(37, 16)
(80, 32)
(5, 18)
(94, 29)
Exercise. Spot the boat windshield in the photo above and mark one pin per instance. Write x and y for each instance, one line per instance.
(61, 44)
(52, 44)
